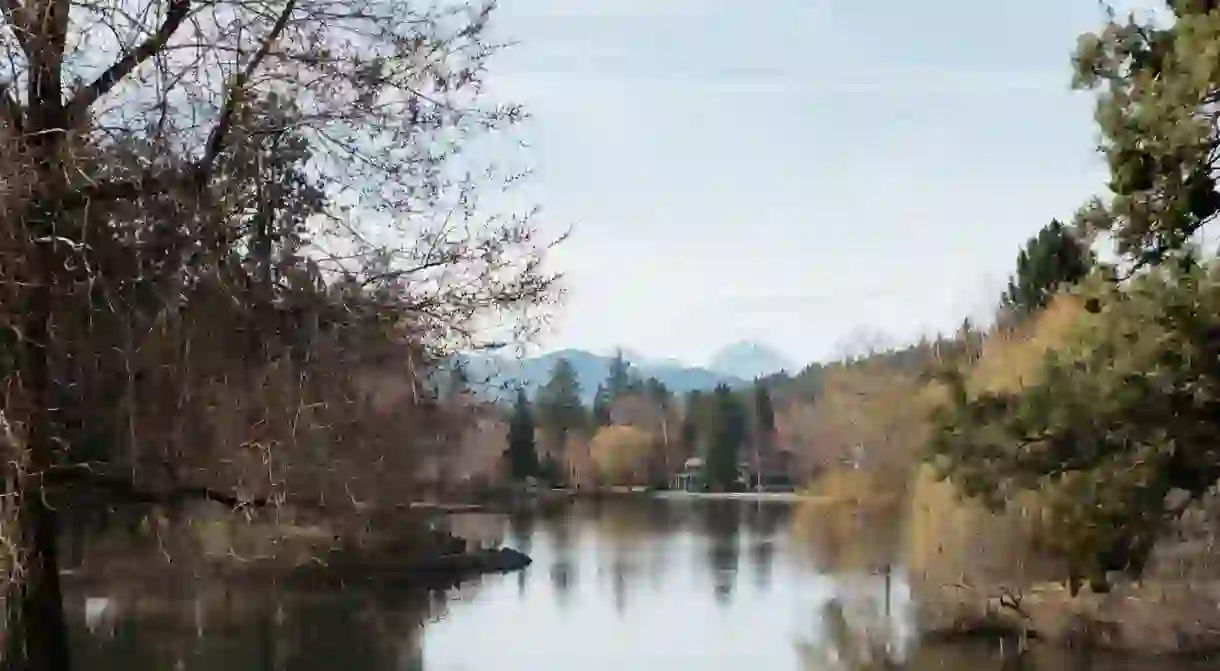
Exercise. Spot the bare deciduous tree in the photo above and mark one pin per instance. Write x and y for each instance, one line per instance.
(236, 235)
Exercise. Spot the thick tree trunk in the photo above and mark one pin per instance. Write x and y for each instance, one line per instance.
(37, 633)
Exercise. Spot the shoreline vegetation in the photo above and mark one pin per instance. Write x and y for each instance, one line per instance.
(982, 569)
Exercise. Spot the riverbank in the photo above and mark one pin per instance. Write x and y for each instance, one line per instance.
(1156, 618)
(979, 574)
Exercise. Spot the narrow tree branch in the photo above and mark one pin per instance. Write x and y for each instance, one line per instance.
(79, 106)
(397, 274)
(200, 172)
(19, 19)
(216, 138)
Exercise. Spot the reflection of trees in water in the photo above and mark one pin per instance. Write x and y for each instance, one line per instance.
(846, 538)
(261, 628)
(624, 528)
(619, 573)
(665, 520)
(862, 638)
(521, 531)
(659, 556)
(560, 529)
(722, 527)
(762, 556)
(521, 536)
(764, 520)
(563, 573)
(628, 521)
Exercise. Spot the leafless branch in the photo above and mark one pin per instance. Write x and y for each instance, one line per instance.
(85, 97)
(237, 91)
(19, 18)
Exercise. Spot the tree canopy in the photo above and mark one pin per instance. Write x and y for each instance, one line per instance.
(1115, 433)
(1157, 87)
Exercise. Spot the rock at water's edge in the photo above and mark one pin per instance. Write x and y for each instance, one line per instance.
(508, 559)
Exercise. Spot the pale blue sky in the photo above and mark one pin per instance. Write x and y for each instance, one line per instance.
(794, 171)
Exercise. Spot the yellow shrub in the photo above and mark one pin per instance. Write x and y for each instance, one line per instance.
(841, 486)
(950, 540)
(954, 541)
(620, 454)
(1012, 360)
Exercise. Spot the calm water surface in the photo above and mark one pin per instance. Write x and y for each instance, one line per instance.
(631, 584)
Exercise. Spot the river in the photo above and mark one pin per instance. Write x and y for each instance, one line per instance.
(624, 584)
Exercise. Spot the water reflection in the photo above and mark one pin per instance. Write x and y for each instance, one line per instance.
(616, 584)
(256, 629)
(763, 522)
(564, 569)
(721, 521)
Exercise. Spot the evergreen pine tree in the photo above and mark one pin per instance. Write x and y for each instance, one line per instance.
(560, 410)
(618, 379)
(764, 412)
(1054, 258)
(522, 456)
(601, 406)
(729, 433)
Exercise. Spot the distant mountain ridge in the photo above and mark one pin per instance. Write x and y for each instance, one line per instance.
(497, 377)
(749, 360)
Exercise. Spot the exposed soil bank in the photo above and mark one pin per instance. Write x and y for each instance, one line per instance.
(1153, 618)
